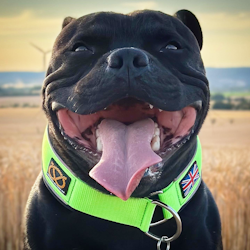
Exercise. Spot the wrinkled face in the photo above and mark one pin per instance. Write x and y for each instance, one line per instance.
(123, 95)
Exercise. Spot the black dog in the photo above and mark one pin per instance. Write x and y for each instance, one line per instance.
(125, 97)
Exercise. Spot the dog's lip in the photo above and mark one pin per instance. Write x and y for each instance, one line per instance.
(57, 106)
(172, 127)
(86, 125)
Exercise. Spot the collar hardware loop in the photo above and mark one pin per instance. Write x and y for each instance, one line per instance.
(163, 238)
(155, 193)
(177, 218)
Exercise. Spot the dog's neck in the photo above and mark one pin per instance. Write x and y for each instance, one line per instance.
(137, 212)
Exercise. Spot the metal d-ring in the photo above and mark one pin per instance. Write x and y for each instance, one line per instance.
(177, 218)
(163, 238)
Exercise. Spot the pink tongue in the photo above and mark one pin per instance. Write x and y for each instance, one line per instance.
(126, 155)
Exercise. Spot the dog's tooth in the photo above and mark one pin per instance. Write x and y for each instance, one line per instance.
(99, 144)
(160, 110)
(155, 143)
(105, 108)
(157, 132)
(151, 106)
(97, 132)
(156, 125)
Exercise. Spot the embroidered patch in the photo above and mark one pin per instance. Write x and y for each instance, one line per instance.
(60, 179)
(187, 183)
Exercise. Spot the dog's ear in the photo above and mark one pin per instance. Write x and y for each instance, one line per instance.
(67, 20)
(190, 20)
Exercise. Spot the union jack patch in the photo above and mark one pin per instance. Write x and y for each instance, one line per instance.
(187, 183)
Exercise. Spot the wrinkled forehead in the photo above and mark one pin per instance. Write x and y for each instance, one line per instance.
(108, 25)
(135, 22)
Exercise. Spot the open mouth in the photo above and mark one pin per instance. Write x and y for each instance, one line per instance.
(127, 139)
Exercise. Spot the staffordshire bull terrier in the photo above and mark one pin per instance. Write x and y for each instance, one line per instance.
(125, 97)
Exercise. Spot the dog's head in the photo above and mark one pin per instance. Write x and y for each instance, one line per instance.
(125, 96)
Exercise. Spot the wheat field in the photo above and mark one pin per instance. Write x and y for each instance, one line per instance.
(225, 138)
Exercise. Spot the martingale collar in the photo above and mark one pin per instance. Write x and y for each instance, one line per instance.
(136, 212)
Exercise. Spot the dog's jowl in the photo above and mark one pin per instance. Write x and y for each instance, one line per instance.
(125, 97)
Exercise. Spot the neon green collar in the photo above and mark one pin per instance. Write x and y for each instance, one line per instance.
(136, 212)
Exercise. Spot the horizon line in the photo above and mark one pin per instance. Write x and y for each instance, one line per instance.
(22, 71)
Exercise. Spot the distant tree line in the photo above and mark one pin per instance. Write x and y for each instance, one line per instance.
(237, 103)
(28, 91)
(19, 105)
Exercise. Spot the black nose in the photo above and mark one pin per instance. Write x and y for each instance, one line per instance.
(127, 59)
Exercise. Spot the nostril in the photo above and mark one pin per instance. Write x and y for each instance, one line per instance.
(128, 58)
(140, 61)
(115, 62)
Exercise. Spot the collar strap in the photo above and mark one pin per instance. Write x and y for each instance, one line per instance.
(136, 212)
